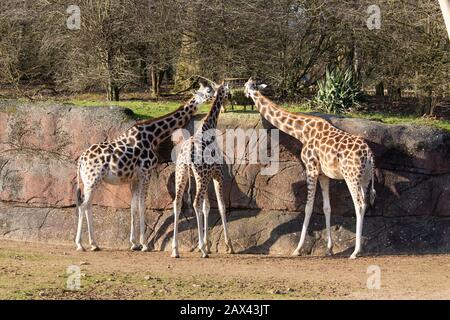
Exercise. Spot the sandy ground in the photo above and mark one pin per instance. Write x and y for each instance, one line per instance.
(40, 271)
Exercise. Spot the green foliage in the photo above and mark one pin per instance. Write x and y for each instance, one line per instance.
(338, 92)
(237, 97)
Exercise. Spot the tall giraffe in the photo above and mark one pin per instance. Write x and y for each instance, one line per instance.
(193, 158)
(129, 159)
(327, 153)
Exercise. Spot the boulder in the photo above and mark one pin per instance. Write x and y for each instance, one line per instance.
(39, 147)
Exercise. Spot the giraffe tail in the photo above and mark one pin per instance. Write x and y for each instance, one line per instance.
(373, 193)
(79, 195)
(189, 199)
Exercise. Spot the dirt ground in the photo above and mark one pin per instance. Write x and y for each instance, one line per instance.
(40, 271)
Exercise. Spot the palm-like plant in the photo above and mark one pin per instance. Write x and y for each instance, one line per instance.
(338, 92)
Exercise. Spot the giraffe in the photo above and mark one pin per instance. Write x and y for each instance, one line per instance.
(327, 153)
(129, 159)
(192, 159)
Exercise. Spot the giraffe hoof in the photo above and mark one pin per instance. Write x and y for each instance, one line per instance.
(175, 255)
(80, 248)
(145, 249)
(296, 253)
(95, 248)
(353, 256)
(135, 247)
(205, 256)
(330, 252)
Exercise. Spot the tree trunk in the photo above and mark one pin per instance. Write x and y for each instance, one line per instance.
(188, 62)
(113, 89)
(144, 76)
(113, 92)
(157, 78)
(116, 93)
(379, 90)
(154, 75)
(356, 67)
(160, 80)
(429, 103)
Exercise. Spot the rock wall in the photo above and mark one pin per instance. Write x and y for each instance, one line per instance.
(39, 145)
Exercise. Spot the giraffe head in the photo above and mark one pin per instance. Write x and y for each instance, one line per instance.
(252, 86)
(223, 90)
(205, 93)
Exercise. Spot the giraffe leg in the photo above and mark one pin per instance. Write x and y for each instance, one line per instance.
(176, 213)
(312, 184)
(201, 181)
(325, 186)
(359, 225)
(143, 188)
(221, 203)
(198, 202)
(87, 206)
(206, 209)
(181, 176)
(79, 229)
(134, 208)
(358, 199)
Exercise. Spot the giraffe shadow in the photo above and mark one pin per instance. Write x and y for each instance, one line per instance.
(188, 221)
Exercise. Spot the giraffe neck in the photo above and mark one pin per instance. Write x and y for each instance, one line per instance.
(296, 125)
(210, 121)
(162, 128)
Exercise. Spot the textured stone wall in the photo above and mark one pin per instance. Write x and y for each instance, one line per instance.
(39, 145)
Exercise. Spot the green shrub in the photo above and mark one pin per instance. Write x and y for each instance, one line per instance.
(238, 98)
(338, 92)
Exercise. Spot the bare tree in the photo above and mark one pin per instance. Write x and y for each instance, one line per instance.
(99, 54)
(19, 45)
(158, 38)
(290, 43)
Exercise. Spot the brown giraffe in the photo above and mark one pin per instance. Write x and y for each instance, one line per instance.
(129, 159)
(327, 153)
(199, 156)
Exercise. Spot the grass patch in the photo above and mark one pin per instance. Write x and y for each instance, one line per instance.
(403, 119)
(383, 117)
(14, 256)
(151, 109)
(142, 109)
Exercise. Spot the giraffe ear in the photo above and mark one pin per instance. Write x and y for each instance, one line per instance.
(262, 86)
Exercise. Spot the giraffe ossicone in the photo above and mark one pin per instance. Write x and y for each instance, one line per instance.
(129, 159)
(327, 153)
